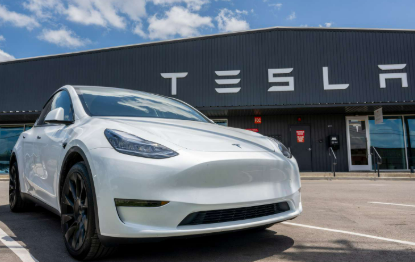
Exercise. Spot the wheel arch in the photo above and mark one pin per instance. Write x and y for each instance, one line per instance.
(75, 155)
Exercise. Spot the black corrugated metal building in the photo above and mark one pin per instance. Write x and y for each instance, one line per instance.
(300, 85)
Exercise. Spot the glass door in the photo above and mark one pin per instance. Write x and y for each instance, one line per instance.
(358, 143)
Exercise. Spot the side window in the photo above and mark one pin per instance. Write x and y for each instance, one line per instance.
(61, 99)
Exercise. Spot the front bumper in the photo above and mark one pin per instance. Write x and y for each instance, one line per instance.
(191, 182)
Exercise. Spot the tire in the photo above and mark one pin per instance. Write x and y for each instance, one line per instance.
(78, 216)
(16, 202)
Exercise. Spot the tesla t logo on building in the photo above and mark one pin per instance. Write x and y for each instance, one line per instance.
(258, 120)
(227, 85)
(173, 77)
(300, 136)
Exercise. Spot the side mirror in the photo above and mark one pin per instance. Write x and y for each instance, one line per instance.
(56, 116)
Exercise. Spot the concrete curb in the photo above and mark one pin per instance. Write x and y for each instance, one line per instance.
(361, 178)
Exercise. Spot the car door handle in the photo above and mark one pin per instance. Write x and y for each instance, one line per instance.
(38, 137)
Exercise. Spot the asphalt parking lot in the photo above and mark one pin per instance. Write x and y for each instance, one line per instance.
(342, 221)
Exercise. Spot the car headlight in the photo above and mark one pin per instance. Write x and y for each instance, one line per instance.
(281, 146)
(132, 145)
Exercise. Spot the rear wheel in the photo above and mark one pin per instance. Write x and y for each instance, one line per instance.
(17, 204)
(78, 216)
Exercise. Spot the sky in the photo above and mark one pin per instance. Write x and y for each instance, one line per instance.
(30, 28)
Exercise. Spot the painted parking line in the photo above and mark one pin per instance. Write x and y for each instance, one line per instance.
(393, 204)
(352, 233)
(20, 251)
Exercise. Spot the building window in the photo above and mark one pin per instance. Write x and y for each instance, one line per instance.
(222, 122)
(388, 139)
(8, 138)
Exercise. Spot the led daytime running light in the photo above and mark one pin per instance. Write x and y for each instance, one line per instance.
(131, 145)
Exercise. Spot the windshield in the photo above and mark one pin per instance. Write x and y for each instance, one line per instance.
(106, 101)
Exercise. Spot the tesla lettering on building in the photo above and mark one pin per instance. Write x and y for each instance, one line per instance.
(289, 80)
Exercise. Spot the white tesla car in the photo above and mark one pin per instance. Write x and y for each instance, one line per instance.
(121, 166)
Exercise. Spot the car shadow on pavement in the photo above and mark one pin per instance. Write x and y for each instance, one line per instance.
(39, 231)
(244, 246)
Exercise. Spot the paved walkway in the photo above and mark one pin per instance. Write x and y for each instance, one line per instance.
(358, 176)
(371, 221)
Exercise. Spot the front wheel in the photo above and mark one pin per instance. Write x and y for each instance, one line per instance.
(78, 216)
(16, 202)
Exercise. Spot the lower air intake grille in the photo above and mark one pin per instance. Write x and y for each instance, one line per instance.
(234, 214)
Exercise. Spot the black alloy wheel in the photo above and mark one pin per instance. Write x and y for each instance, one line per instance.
(12, 186)
(78, 216)
(16, 203)
(75, 211)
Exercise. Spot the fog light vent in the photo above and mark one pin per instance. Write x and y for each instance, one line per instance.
(138, 203)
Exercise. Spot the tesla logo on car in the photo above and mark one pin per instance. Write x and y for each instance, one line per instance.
(238, 145)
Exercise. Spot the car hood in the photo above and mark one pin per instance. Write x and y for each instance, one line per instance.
(199, 136)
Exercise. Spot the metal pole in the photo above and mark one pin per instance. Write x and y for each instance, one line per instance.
(333, 161)
(377, 163)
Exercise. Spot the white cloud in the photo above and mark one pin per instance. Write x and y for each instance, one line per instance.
(177, 21)
(43, 8)
(93, 12)
(228, 21)
(329, 24)
(105, 13)
(277, 5)
(138, 30)
(16, 19)
(2, 38)
(135, 9)
(5, 56)
(241, 12)
(62, 37)
(292, 16)
(195, 5)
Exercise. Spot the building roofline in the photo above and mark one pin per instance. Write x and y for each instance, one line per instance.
(205, 37)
